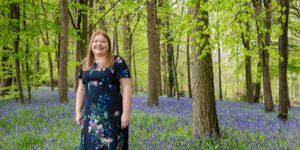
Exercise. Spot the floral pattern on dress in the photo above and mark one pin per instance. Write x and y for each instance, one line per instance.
(102, 108)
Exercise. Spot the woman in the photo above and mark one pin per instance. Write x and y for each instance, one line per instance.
(101, 110)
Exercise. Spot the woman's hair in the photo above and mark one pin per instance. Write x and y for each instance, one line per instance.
(89, 59)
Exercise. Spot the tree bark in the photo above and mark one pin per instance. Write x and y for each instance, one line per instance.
(126, 39)
(269, 104)
(153, 46)
(135, 75)
(15, 14)
(283, 62)
(81, 41)
(204, 114)
(91, 26)
(27, 72)
(170, 58)
(188, 65)
(103, 23)
(63, 57)
(219, 67)
(115, 36)
(159, 23)
(248, 72)
(257, 84)
(46, 42)
(7, 73)
(165, 70)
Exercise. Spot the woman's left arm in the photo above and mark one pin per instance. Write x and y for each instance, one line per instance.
(127, 94)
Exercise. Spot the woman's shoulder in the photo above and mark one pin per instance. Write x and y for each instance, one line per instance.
(118, 59)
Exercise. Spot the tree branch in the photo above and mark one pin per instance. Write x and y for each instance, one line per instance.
(72, 20)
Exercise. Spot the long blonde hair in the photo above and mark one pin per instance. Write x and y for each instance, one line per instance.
(89, 59)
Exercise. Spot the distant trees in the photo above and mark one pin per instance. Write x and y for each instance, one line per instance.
(243, 36)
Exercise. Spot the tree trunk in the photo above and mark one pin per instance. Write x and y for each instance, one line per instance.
(46, 42)
(91, 26)
(204, 114)
(248, 72)
(159, 23)
(283, 52)
(257, 5)
(6, 79)
(135, 75)
(153, 46)
(27, 72)
(219, 67)
(165, 70)
(115, 36)
(15, 14)
(188, 65)
(126, 34)
(257, 84)
(103, 23)
(84, 33)
(170, 57)
(51, 71)
(175, 70)
(81, 42)
(63, 57)
(269, 105)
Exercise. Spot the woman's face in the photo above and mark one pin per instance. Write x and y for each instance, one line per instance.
(100, 45)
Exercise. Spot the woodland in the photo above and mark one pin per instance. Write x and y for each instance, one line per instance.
(206, 74)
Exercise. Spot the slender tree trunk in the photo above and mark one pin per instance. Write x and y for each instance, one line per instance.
(46, 42)
(219, 67)
(159, 23)
(84, 33)
(15, 14)
(63, 57)
(248, 72)
(103, 23)
(257, 86)
(51, 71)
(36, 64)
(165, 70)
(153, 68)
(81, 42)
(115, 36)
(269, 105)
(188, 65)
(135, 75)
(204, 114)
(126, 44)
(175, 75)
(91, 28)
(27, 72)
(7, 73)
(264, 57)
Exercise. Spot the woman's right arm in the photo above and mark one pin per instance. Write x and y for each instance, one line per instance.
(80, 94)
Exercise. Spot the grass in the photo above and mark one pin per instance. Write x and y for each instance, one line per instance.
(47, 124)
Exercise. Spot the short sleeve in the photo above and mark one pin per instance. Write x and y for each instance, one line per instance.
(122, 68)
(80, 72)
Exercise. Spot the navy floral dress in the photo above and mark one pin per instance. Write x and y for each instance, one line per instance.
(102, 107)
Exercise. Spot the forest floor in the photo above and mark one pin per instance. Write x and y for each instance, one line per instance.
(47, 124)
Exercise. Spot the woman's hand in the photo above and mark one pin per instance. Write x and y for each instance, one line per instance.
(79, 118)
(125, 118)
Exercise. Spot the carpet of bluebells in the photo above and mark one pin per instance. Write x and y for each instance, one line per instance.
(47, 124)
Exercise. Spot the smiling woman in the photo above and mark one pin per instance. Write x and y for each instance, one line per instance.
(101, 110)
